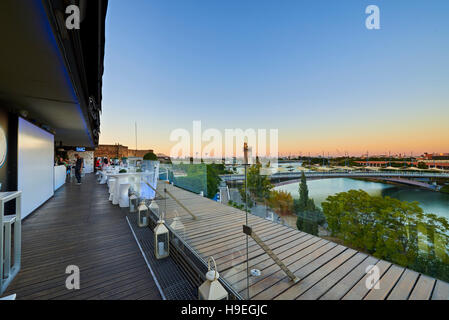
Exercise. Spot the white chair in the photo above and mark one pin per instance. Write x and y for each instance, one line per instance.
(116, 189)
(111, 184)
(123, 195)
(103, 178)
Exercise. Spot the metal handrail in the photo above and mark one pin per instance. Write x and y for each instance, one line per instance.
(174, 198)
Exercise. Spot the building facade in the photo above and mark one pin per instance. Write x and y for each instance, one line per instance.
(118, 151)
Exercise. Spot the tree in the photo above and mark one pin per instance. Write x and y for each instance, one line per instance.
(309, 215)
(150, 156)
(307, 222)
(390, 229)
(259, 185)
(281, 202)
(303, 203)
(422, 165)
(213, 179)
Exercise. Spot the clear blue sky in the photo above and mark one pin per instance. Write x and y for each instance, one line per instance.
(308, 68)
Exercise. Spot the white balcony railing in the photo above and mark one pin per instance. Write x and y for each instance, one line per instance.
(10, 261)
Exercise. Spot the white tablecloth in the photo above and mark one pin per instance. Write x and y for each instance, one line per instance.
(137, 180)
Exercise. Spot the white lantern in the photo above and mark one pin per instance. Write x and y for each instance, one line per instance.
(161, 240)
(212, 289)
(154, 208)
(133, 203)
(143, 218)
(178, 231)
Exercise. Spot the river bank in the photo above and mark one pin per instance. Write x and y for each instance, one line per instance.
(319, 190)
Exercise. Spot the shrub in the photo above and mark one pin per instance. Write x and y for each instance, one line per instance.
(150, 156)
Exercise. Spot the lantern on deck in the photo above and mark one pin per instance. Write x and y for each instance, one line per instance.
(178, 231)
(161, 240)
(143, 218)
(133, 202)
(154, 208)
(212, 289)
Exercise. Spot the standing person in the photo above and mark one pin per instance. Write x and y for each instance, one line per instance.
(105, 164)
(78, 168)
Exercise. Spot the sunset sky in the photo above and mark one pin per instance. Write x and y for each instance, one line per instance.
(308, 68)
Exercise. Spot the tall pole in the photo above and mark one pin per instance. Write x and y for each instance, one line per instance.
(245, 162)
(136, 138)
(389, 157)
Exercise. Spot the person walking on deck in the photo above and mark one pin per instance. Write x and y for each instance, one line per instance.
(78, 168)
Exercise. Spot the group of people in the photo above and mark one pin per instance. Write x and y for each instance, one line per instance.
(77, 165)
(102, 163)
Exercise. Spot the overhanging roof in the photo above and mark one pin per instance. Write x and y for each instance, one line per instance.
(51, 73)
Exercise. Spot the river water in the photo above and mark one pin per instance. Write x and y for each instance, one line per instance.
(319, 190)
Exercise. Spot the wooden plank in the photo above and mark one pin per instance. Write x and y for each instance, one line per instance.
(279, 244)
(307, 282)
(273, 274)
(404, 287)
(441, 291)
(276, 240)
(322, 286)
(360, 290)
(239, 243)
(342, 287)
(228, 235)
(262, 261)
(301, 268)
(386, 284)
(423, 288)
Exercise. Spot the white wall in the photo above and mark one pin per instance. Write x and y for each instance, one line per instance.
(60, 176)
(35, 166)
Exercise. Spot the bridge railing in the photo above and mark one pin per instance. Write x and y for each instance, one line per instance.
(408, 174)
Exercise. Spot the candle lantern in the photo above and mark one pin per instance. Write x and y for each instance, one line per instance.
(161, 240)
(178, 231)
(212, 289)
(133, 202)
(142, 215)
(154, 208)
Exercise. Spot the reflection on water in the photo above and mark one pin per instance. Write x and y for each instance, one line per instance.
(319, 190)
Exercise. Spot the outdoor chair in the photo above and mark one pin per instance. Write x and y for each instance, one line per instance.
(123, 195)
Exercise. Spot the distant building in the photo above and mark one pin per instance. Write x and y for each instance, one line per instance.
(118, 151)
(436, 156)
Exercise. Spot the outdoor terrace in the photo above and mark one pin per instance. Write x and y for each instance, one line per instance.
(79, 226)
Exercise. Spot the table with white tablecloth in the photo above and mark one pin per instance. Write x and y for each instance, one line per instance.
(138, 180)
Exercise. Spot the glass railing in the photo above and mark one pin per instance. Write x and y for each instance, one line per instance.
(191, 177)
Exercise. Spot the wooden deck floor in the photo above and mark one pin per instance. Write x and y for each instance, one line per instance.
(79, 226)
(327, 270)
